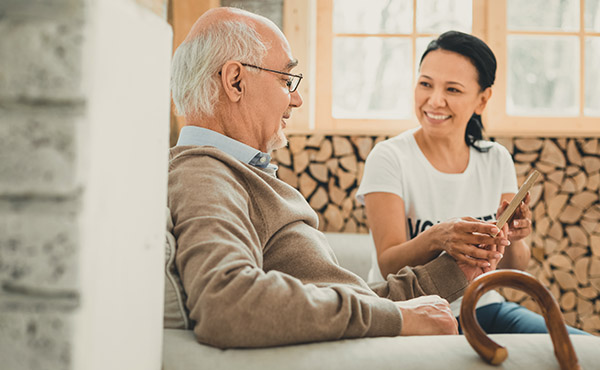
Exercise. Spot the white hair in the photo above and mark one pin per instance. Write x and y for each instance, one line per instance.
(196, 64)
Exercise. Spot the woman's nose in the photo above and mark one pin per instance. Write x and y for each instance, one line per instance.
(437, 98)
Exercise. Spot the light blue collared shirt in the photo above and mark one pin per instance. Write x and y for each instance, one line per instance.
(193, 135)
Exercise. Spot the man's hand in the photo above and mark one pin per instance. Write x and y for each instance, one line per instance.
(427, 315)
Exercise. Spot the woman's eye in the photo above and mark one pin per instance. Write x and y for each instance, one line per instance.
(453, 90)
(424, 84)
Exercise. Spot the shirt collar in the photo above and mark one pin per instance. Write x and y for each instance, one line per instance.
(193, 135)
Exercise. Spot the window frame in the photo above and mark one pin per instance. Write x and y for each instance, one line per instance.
(305, 19)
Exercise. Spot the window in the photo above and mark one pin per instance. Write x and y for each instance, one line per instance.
(363, 57)
(548, 79)
(370, 51)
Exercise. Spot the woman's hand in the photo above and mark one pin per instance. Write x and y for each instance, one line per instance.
(520, 223)
(461, 238)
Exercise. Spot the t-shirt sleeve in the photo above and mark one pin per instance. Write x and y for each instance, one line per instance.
(383, 173)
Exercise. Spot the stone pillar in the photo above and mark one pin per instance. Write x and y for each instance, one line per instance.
(84, 120)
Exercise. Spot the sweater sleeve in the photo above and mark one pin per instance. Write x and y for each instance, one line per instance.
(232, 300)
(431, 278)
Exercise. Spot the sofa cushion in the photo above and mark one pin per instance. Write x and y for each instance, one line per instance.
(175, 314)
(525, 351)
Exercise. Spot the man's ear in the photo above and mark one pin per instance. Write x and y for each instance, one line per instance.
(483, 99)
(232, 80)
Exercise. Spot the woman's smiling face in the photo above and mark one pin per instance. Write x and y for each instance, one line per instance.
(448, 93)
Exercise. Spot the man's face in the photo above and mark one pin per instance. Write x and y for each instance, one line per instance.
(270, 102)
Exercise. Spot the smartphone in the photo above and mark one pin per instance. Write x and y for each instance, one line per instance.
(514, 203)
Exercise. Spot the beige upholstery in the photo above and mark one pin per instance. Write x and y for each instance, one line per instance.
(181, 351)
(525, 351)
(175, 315)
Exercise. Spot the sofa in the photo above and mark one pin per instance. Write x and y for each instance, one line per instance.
(181, 351)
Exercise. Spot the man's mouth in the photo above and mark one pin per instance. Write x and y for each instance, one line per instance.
(438, 117)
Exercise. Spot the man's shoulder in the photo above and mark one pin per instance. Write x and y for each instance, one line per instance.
(202, 157)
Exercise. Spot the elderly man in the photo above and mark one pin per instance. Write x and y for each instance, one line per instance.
(256, 270)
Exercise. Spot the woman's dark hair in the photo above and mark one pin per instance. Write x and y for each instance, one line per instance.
(484, 61)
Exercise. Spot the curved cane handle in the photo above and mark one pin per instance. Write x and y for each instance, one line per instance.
(491, 351)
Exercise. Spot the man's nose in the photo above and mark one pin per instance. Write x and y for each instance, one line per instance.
(296, 99)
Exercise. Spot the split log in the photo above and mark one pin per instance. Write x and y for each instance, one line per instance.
(556, 176)
(551, 154)
(567, 301)
(591, 164)
(286, 175)
(595, 267)
(314, 141)
(584, 307)
(350, 226)
(307, 185)
(349, 163)
(319, 199)
(333, 164)
(565, 280)
(575, 252)
(577, 235)
(560, 261)
(556, 204)
(529, 145)
(589, 293)
(593, 182)
(584, 199)
(556, 230)
(283, 157)
(590, 146)
(545, 167)
(297, 144)
(336, 194)
(319, 171)
(595, 244)
(341, 146)
(301, 161)
(364, 146)
(573, 154)
(325, 151)
(334, 219)
(581, 270)
(346, 179)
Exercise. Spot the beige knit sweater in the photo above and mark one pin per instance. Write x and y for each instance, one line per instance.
(258, 273)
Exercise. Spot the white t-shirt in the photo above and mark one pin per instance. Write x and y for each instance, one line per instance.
(399, 167)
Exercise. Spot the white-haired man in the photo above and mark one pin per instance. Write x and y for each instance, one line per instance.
(256, 270)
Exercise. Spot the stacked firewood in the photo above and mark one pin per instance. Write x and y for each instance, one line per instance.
(565, 205)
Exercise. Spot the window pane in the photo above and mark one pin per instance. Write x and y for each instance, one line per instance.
(592, 77)
(434, 16)
(374, 16)
(543, 15)
(421, 45)
(592, 15)
(543, 76)
(372, 77)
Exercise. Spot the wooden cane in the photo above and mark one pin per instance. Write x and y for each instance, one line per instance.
(492, 352)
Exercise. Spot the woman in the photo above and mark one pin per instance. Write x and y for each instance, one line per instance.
(417, 182)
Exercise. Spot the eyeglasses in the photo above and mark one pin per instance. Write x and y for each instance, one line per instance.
(292, 83)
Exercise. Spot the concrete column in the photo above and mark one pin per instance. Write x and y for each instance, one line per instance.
(84, 120)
